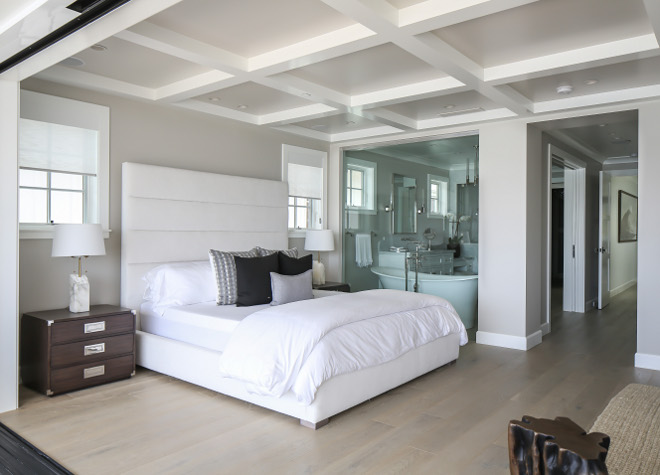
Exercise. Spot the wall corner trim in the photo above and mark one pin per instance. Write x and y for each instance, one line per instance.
(510, 341)
(647, 361)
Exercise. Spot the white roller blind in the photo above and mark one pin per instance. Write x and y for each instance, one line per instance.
(305, 181)
(56, 147)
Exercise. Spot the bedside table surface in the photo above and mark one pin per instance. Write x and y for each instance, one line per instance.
(62, 314)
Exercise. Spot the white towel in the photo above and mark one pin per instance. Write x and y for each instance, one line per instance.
(363, 250)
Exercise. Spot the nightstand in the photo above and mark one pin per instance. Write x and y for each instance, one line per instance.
(340, 286)
(63, 351)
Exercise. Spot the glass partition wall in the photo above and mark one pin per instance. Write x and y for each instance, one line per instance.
(421, 198)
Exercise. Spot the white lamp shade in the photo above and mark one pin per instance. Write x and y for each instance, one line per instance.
(319, 240)
(78, 240)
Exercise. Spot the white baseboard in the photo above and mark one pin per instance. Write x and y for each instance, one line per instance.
(510, 341)
(622, 288)
(545, 328)
(647, 361)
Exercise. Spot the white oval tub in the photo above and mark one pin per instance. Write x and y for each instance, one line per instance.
(460, 290)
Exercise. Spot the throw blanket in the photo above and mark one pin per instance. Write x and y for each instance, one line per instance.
(300, 345)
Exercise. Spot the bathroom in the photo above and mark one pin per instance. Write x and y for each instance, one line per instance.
(406, 204)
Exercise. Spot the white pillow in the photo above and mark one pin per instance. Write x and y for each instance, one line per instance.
(180, 283)
(291, 288)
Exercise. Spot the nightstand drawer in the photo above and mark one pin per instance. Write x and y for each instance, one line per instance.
(95, 327)
(91, 350)
(91, 374)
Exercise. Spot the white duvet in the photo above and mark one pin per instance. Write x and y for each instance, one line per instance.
(300, 345)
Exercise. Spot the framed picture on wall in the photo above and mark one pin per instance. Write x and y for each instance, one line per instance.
(627, 217)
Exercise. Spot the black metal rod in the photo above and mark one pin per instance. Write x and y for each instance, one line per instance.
(90, 15)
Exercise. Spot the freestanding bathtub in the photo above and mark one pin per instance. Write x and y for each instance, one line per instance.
(460, 290)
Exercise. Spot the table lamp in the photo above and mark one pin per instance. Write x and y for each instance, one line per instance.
(78, 240)
(319, 240)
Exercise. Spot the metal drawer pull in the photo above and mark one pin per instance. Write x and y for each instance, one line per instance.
(94, 371)
(94, 327)
(94, 349)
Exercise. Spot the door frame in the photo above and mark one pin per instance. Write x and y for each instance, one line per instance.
(571, 162)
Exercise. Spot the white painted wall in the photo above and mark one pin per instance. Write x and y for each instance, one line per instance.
(9, 94)
(152, 134)
(648, 260)
(623, 255)
(503, 230)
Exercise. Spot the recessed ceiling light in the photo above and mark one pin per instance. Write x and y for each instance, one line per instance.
(214, 99)
(449, 106)
(242, 106)
(350, 122)
(98, 47)
(602, 125)
(306, 94)
(564, 89)
(591, 82)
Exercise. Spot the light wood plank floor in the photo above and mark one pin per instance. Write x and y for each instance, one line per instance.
(453, 420)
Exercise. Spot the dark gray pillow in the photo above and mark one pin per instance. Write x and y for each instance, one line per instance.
(292, 266)
(253, 279)
(291, 288)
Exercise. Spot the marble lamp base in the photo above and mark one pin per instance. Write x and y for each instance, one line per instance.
(318, 273)
(78, 293)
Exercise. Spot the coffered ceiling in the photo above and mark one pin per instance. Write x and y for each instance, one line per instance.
(337, 70)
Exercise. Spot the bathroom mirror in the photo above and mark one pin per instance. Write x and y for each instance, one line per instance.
(404, 200)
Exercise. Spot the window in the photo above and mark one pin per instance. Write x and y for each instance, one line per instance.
(438, 191)
(63, 163)
(360, 185)
(304, 170)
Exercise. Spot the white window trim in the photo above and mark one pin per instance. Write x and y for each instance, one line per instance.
(310, 157)
(364, 165)
(429, 179)
(58, 110)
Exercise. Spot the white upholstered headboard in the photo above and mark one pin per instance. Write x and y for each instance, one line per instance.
(171, 215)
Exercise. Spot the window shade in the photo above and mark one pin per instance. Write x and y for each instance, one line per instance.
(305, 181)
(56, 147)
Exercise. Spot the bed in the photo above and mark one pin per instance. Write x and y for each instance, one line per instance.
(173, 216)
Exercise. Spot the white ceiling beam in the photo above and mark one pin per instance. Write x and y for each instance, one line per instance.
(435, 14)
(201, 84)
(611, 97)
(473, 117)
(574, 60)
(118, 20)
(304, 132)
(85, 80)
(312, 111)
(408, 92)
(653, 11)
(219, 111)
(183, 47)
(364, 133)
(388, 117)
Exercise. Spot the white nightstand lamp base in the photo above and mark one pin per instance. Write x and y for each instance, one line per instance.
(78, 293)
(318, 273)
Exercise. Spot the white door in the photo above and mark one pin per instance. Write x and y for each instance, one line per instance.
(603, 250)
(574, 232)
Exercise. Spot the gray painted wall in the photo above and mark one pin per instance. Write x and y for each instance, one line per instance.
(623, 255)
(157, 135)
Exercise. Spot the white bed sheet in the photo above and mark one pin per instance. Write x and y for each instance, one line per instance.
(203, 324)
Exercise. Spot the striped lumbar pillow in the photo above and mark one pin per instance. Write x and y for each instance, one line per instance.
(224, 267)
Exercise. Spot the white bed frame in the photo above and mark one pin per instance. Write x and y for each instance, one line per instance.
(171, 215)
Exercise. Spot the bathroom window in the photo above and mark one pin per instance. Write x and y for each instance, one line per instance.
(304, 170)
(438, 193)
(360, 184)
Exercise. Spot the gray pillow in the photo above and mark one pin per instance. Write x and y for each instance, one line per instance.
(224, 268)
(261, 252)
(291, 288)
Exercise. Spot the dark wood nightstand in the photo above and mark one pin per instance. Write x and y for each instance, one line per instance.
(340, 286)
(63, 351)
